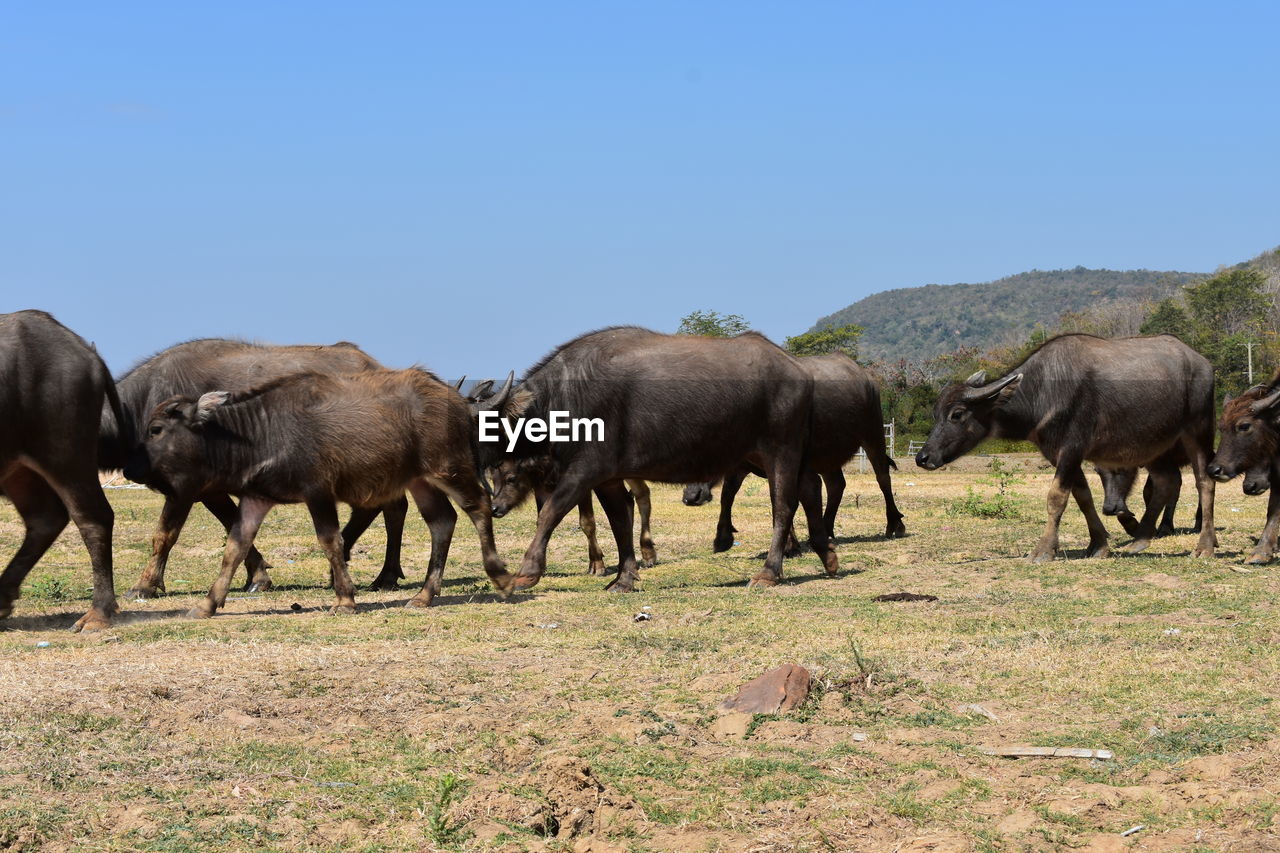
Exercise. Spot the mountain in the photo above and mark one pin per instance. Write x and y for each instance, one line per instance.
(922, 322)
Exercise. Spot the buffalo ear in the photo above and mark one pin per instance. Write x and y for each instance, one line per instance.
(482, 390)
(206, 405)
(495, 402)
(518, 403)
(977, 380)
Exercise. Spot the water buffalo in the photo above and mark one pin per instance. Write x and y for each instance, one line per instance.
(361, 439)
(194, 367)
(846, 417)
(1119, 403)
(514, 480)
(673, 409)
(52, 388)
(1250, 445)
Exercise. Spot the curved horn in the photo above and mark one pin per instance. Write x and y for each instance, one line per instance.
(1268, 402)
(481, 390)
(457, 386)
(1002, 387)
(497, 401)
(977, 380)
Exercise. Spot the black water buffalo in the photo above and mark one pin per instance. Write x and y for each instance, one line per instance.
(673, 409)
(52, 388)
(192, 368)
(361, 439)
(1119, 403)
(514, 480)
(1250, 445)
(846, 417)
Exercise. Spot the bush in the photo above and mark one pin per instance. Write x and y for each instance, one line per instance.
(999, 505)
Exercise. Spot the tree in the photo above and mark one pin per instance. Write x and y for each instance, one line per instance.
(1168, 319)
(1231, 302)
(829, 339)
(713, 325)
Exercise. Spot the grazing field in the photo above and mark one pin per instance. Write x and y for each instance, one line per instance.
(554, 721)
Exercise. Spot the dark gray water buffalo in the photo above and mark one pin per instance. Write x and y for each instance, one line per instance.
(670, 408)
(52, 388)
(1162, 488)
(846, 416)
(1250, 445)
(360, 439)
(192, 368)
(1118, 403)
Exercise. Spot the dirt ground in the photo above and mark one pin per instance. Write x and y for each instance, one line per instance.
(556, 722)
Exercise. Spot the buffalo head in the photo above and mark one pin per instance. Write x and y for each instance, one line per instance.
(513, 480)
(171, 457)
(1250, 430)
(697, 494)
(963, 417)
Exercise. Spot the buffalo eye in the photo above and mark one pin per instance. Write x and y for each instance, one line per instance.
(956, 415)
(1243, 426)
(156, 429)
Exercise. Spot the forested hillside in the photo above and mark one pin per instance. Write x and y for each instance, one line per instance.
(922, 322)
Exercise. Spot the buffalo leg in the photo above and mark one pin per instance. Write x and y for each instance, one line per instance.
(43, 516)
(1056, 502)
(1155, 495)
(1097, 530)
(819, 541)
(1266, 548)
(77, 485)
(619, 506)
(784, 492)
(587, 521)
(441, 519)
(324, 516)
(568, 493)
(640, 491)
(1174, 478)
(173, 515)
(249, 518)
(881, 464)
(1200, 451)
(724, 527)
(835, 483)
(467, 493)
(224, 509)
(394, 514)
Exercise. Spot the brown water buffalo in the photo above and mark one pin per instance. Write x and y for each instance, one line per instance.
(673, 409)
(52, 388)
(361, 439)
(846, 416)
(1250, 445)
(1118, 403)
(194, 367)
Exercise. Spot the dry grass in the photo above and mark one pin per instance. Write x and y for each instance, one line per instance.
(476, 725)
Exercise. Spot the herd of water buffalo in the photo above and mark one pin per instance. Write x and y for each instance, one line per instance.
(212, 420)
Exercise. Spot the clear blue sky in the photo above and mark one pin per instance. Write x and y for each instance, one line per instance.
(466, 185)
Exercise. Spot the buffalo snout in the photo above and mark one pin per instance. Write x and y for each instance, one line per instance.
(1219, 472)
(926, 460)
(696, 494)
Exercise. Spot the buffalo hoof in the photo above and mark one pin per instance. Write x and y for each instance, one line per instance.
(1137, 546)
(1202, 552)
(895, 531)
(832, 565)
(418, 602)
(525, 582)
(199, 613)
(620, 585)
(94, 620)
(648, 558)
(1042, 557)
(1098, 552)
(6, 610)
(719, 546)
(597, 569)
(792, 551)
(260, 586)
(385, 582)
(342, 610)
(762, 581)
(1259, 558)
(142, 593)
